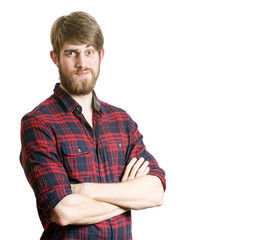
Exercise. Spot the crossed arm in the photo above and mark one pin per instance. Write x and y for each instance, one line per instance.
(95, 202)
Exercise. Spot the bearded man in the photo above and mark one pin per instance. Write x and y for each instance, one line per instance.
(85, 159)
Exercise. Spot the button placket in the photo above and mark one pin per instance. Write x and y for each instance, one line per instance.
(79, 109)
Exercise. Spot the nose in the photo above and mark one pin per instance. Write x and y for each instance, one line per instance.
(80, 61)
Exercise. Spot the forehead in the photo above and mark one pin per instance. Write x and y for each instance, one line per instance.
(76, 47)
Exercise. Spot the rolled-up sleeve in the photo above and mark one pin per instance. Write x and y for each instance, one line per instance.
(138, 150)
(42, 166)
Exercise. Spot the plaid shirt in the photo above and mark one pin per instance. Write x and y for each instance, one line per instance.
(60, 148)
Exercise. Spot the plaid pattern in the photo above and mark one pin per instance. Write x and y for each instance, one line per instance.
(60, 148)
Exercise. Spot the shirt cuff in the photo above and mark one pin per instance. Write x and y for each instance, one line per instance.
(160, 174)
(49, 201)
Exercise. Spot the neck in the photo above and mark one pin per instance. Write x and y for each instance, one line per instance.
(84, 100)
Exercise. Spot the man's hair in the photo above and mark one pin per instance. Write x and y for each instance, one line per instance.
(76, 28)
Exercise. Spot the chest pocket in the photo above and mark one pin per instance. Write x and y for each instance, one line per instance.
(77, 158)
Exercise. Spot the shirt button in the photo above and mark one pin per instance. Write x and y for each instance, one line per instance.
(79, 108)
(119, 145)
(83, 121)
(111, 219)
(35, 169)
(79, 150)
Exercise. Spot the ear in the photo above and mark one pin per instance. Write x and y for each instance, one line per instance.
(101, 55)
(54, 58)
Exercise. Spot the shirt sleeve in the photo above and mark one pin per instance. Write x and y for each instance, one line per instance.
(42, 166)
(138, 150)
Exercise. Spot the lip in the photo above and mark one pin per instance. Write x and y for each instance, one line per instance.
(83, 74)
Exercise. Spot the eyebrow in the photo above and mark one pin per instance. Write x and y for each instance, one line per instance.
(77, 50)
(70, 50)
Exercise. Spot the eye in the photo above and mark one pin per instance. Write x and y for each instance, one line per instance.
(71, 53)
(90, 52)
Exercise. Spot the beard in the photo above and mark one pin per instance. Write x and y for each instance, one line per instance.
(79, 85)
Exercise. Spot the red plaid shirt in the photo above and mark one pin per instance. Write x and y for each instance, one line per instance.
(60, 148)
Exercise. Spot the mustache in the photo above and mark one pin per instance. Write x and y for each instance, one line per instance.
(81, 70)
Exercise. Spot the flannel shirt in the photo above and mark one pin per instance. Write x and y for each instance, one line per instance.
(60, 148)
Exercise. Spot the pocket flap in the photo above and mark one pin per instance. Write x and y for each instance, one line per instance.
(75, 148)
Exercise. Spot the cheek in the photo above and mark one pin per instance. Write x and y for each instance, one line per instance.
(67, 67)
(93, 61)
(96, 64)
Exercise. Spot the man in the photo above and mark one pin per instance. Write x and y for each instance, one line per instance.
(85, 159)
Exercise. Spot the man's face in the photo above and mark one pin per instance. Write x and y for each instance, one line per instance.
(79, 67)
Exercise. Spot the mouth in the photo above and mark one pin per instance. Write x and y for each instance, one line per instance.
(83, 74)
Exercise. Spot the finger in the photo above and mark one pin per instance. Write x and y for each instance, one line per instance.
(74, 188)
(142, 169)
(146, 171)
(128, 169)
(135, 168)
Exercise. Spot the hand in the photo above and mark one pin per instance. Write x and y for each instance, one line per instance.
(135, 168)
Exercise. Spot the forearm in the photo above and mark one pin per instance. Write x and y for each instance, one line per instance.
(139, 193)
(76, 209)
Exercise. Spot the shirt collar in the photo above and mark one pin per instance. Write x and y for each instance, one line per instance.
(96, 104)
(70, 104)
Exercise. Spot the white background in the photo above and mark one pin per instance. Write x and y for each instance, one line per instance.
(199, 78)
